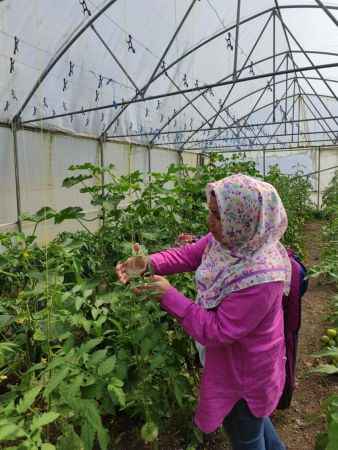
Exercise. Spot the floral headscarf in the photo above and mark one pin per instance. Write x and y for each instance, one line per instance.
(253, 221)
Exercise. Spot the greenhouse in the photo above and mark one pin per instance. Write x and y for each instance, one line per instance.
(128, 131)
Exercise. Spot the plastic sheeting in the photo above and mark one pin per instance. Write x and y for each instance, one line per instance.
(32, 32)
(44, 159)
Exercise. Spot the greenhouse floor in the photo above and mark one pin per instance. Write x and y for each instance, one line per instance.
(299, 425)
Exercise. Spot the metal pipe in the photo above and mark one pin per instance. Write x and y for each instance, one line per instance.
(238, 17)
(318, 120)
(114, 57)
(245, 137)
(58, 55)
(274, 66)
(301, 90)
(251, 125)
(253, 109)
(327, 11)
(190, 102)
(264, 157)
(310, 61)
(145, 88)
(185, 91)
(286, 89)
(17, 174)
(243, 66)
(318, 194)
(302, 144)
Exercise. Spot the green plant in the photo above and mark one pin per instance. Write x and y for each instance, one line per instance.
(77, 348)
(294, 191)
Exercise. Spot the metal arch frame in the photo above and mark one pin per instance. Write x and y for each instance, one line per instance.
(262, 136)
(267, 105)
(159, 133)
(185, 91)
(222, 128)
(153, 75)
(62, 50)
(206, 90)
(156, 75)
(285, 30)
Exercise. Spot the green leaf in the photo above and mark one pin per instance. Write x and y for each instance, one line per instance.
(5, 320)
(97, 357)
(72, 181)
(115, 388)
(28, 399)
(87, 435)
(106, 366)
(10, 431)
(149, 432)
(328, 352)
(44, 213)
(55, 381)
(44, 419)
(91, 413)
(78, 303)
(333, 433)
(89, 345)
(70, 213)
(328, 369)
(39, 336)
(70, 440)
(48, 447)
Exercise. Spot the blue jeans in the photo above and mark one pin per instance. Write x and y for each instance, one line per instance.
(248, 432)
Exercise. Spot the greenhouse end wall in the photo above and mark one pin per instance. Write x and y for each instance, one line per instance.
(44, 158)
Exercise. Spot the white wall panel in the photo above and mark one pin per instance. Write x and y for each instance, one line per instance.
(8, 211)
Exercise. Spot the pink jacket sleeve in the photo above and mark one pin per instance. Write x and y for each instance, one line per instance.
(238, 314)
(181, 259)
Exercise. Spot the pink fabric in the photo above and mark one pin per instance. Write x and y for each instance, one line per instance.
(243, 336)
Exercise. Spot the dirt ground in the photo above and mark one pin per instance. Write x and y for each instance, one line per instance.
(299, 425)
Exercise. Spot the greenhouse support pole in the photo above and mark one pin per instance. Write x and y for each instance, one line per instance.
(101, 151)
(149, 163)
(286, 89)
(17, 175)
(234, 76)
(264, 162)
(274, 65)
(318, 180)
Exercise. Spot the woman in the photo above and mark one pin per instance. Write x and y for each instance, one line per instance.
(242, 271)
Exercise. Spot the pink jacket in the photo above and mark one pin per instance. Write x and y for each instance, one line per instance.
(243, 336)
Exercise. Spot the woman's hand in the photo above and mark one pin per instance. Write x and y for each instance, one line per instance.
(185, 238)
(157, 284)
(133, 267)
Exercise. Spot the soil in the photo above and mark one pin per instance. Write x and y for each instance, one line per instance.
(299, 425)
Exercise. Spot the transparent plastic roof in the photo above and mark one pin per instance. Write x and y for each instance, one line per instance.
(175, 73)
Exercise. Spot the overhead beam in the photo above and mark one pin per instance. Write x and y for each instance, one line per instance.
(59, 53)
(153, 75)
(251, 125)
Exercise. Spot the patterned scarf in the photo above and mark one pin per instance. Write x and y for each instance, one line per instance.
(253, 221)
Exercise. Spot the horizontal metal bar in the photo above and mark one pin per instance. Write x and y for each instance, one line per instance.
(304, 144)
(250, 138)
(320, 171)
(185, 91)
(259, 124)
(303, 6)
